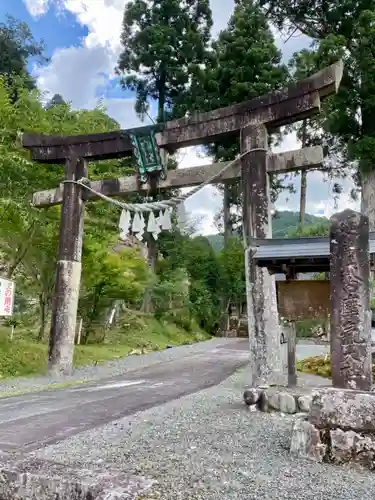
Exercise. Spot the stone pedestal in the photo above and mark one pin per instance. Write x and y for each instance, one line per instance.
(340, 428)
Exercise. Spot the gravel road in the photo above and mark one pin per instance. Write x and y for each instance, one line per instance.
(208, 446)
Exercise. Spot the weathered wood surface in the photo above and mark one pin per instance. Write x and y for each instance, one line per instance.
(309, 158)
(105, 146)
(288, 105)
(350, 301)
(263, 321)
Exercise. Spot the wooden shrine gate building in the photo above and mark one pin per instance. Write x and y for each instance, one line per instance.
(253, 120)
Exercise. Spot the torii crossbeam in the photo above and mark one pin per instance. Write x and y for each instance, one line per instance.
(252, 120)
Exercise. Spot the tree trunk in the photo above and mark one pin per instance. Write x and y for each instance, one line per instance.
(302, 202)
(368, 208)
(227, 221)
(42, 317)
(161, 92)
(152, 254)
(368, 198)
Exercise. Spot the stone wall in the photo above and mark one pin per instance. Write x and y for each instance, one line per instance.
(339, 428)
(269, 399)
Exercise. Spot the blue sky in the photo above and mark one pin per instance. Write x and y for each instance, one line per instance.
(82, 40)
(60, 29)
(56, 31)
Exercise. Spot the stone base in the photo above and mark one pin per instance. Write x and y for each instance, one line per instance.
(282, 399)
(31, 479)
(340, 428)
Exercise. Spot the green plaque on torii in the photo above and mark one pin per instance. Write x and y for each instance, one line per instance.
(146, 152)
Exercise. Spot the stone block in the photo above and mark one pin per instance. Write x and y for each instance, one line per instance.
(251, 396)
(349, 446)
(346, 409)
(287, 403)
(306, 441)
(281, 401)
(32, 479)
(364, 450)
(342, 445)
(304, 403)
(263, 403)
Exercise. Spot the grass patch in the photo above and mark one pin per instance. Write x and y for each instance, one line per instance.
(43, 388)
(320, 365)
(137, 334)
(316, 365)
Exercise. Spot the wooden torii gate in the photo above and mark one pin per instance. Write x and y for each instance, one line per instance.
(252, 120)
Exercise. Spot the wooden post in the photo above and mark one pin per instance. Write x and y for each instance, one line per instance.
(292, 369)
(68, 272)
(350, 301)
(264, 329)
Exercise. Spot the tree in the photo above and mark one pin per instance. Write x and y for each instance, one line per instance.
(232, 272)
(107, 277)
(308, 131)
(163, 40)
(57, 100)
(342, 30)
(29, 237)
(244, 63)
(17, 46)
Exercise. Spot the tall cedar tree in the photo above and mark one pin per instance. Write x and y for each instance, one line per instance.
(163, 42)
(17, 46)
(344, 30)
(244, 63)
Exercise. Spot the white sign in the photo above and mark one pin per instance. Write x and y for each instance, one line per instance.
(6, 297)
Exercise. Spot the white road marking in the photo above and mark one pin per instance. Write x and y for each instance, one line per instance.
(123, 383)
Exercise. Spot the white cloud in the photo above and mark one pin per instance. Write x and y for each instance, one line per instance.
(37, 8)
(76, 73)
(205, 203)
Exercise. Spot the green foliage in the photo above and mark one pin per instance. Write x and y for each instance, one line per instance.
(57, 100)
(163, 41)
(232, 266)
(171, 293)
(318, 229)
(136, 335)
(284, 224)
(320, 365)
(107, 277)
(317, 365)
(198, 258)
(305, 328)
(244, 63)
(17, 46)
(340, 30)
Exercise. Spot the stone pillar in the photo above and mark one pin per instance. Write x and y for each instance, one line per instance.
(68, 271)
(263, 321)
(350, 301)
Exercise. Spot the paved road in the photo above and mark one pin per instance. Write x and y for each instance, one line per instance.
(31, 421)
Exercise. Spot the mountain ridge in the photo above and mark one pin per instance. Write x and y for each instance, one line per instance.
(283, 222)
